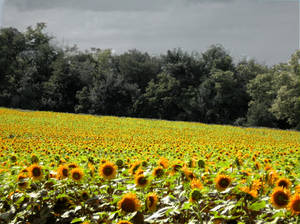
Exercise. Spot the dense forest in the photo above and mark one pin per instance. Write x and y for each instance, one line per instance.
(37, 74)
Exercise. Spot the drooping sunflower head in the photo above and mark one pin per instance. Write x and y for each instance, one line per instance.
(151, 201)
(163, 162)
(35, 172)
(108, 170)
(158, 172)
(129, 203)
(283, 182)
(62, 172)
(134, 167)
(188, 173)
(249, 193)
(141, 180)
(294, 205)
(195, 195)
(21, 176)
(72, 166)
(176, 167)
(280, 197)
(22, 185)
(222, 182)
(84, 195)
(76, 174)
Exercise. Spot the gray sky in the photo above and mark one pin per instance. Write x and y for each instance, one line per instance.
(267, 30)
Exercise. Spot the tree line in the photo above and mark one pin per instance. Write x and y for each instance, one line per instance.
(37, 74)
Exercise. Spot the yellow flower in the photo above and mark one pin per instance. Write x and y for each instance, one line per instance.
(158, 172)
(129, 203)
(124, 222)
(294, 205)
(196, 183)
(108, 170)
(283, 182)
(280, 197)
(151, 201)
(141, 180)
(35, 172)
(62, 172)
(222, 182)
(76, 174)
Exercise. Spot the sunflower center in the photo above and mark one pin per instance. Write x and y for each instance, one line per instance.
(176, 167)
(128, 205)
(281, 199)
(76, 176)
(22, 184)
(224, 182)
(36, 172)
(283, 184)
(296, 206)
(159, 172)
(65, 172)
(142, 180)
(107, 171)
(151, 200)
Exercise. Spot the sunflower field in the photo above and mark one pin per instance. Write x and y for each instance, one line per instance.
(68, 168)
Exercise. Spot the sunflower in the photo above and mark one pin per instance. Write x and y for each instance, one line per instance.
(134, 167)
(108, 170)
(124, 222)
(280, 197)
(222, 182)
(297, 188)
(151, 201)
(196, 183)
(62, 172)
(141, 180)
(176, 167)
(163, 162)
(21, 176)
(35, 172)
(195, 195)
(188, 173)
(72, 166)
(22, 185)
(76, 174)
(294, 205)
(139, 172)
(129, 203)
(283, 182)
(250, 193)
(256, 185)
(84, 195)
(91, 168)
(158, 172)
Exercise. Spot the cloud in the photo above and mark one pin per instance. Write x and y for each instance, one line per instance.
(105, 5)
(264, 30)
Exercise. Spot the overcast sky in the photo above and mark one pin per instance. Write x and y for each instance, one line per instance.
(267, 30)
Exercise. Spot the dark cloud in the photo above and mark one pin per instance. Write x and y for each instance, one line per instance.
(261, 29)
(93, 5)
(106, 5)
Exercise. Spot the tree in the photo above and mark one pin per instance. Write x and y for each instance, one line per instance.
(216, 57)
(12, 43)
(137, 67)
(160, 98)
(112, 95)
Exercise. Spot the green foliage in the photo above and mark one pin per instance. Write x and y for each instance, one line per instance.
(177, 85)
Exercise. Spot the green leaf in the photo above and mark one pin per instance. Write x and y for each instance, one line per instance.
(257, 205)
(78, 220)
